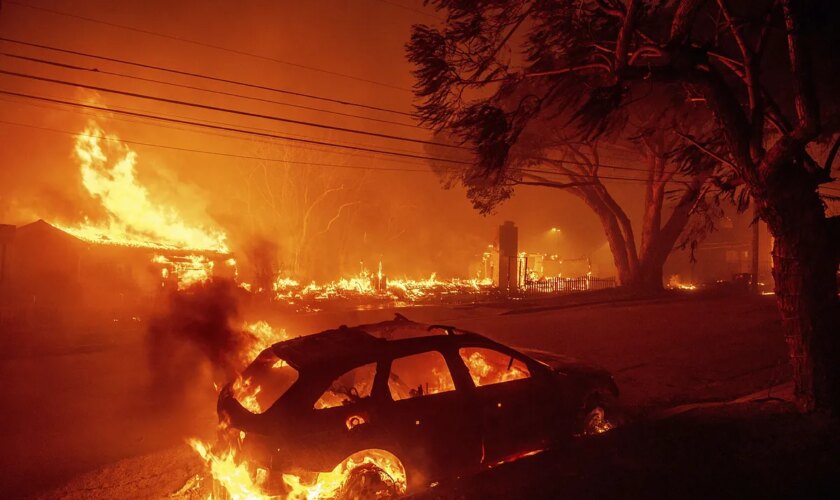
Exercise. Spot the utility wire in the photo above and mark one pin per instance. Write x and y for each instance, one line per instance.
(201, 89)
(232, 155)
(215, 153)
(155, 123)
(229, 129)
(224, 109)
(307, 141)
(573, 162)
(177, 148)
(206, 77)
(207, 45)
(277, 118)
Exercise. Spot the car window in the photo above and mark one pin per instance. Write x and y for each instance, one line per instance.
(419, 375)
(488, 366)
(353, 386)
(269, 377)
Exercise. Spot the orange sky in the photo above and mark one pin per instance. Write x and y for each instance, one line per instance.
(404, 218)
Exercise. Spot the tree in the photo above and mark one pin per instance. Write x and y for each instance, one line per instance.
(544, 156)
(294, 212)
(749, 63)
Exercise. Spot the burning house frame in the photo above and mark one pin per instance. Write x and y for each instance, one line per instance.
(48, 271)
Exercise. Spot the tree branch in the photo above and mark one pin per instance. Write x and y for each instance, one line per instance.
(805, 99)
(706, 150)
(622, 45)
(682, 21)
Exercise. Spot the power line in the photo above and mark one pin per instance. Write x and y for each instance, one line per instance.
(207, 45)
(224, 109)
(308, 141)
(154, 123)
(207, 77)
(248, 157)
(286, 120)
(573, 162)
(250, 128)
(229, 129)
(215, 153)
(202, 89)
(239, 156)
(297, 146)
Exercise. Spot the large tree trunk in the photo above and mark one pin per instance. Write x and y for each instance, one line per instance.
(804, 268)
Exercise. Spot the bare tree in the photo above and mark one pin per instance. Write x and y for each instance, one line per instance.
(298, 207)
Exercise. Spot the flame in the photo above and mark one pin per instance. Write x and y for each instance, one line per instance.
(484, 373)
(234, 476)
(246, 391)
(133, 219)
(330, 484)
(264, 336)
(674, 282)
(376, 285)
(597, 423)
(241, 480)
(187, 270)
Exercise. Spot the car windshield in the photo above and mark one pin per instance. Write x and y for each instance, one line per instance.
(265, 380)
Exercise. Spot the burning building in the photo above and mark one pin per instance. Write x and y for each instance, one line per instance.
(48, 270)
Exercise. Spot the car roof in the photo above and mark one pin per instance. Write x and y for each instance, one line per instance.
(364, 343)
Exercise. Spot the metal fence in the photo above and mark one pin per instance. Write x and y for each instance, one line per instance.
(558, 285)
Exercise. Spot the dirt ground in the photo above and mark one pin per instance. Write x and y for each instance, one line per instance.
(82, 418)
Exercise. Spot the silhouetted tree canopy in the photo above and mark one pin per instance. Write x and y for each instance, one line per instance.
(760, 79)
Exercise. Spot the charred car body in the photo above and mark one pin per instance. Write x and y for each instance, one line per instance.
(441, 401)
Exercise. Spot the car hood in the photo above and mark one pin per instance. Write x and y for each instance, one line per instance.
(565, 364)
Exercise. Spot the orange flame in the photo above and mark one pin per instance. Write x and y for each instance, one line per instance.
(242, 480)
(133, 218)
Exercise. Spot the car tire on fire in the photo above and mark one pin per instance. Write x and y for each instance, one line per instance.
(598, 413)
(368, 481)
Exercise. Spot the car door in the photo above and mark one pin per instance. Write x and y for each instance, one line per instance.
(345, 418)
(434, 426)
(516, 404)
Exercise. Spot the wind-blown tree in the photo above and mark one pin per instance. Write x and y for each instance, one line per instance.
(748, 62)
(676, 188)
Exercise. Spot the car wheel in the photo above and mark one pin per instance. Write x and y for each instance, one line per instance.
(368, 481)
(372, 474)
(597, 415)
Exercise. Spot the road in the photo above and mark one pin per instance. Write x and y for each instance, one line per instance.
(87, 419)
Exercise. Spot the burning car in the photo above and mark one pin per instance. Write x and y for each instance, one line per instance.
(402, 405)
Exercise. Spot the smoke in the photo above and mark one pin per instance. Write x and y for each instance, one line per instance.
(261, 255)
(195, 336)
